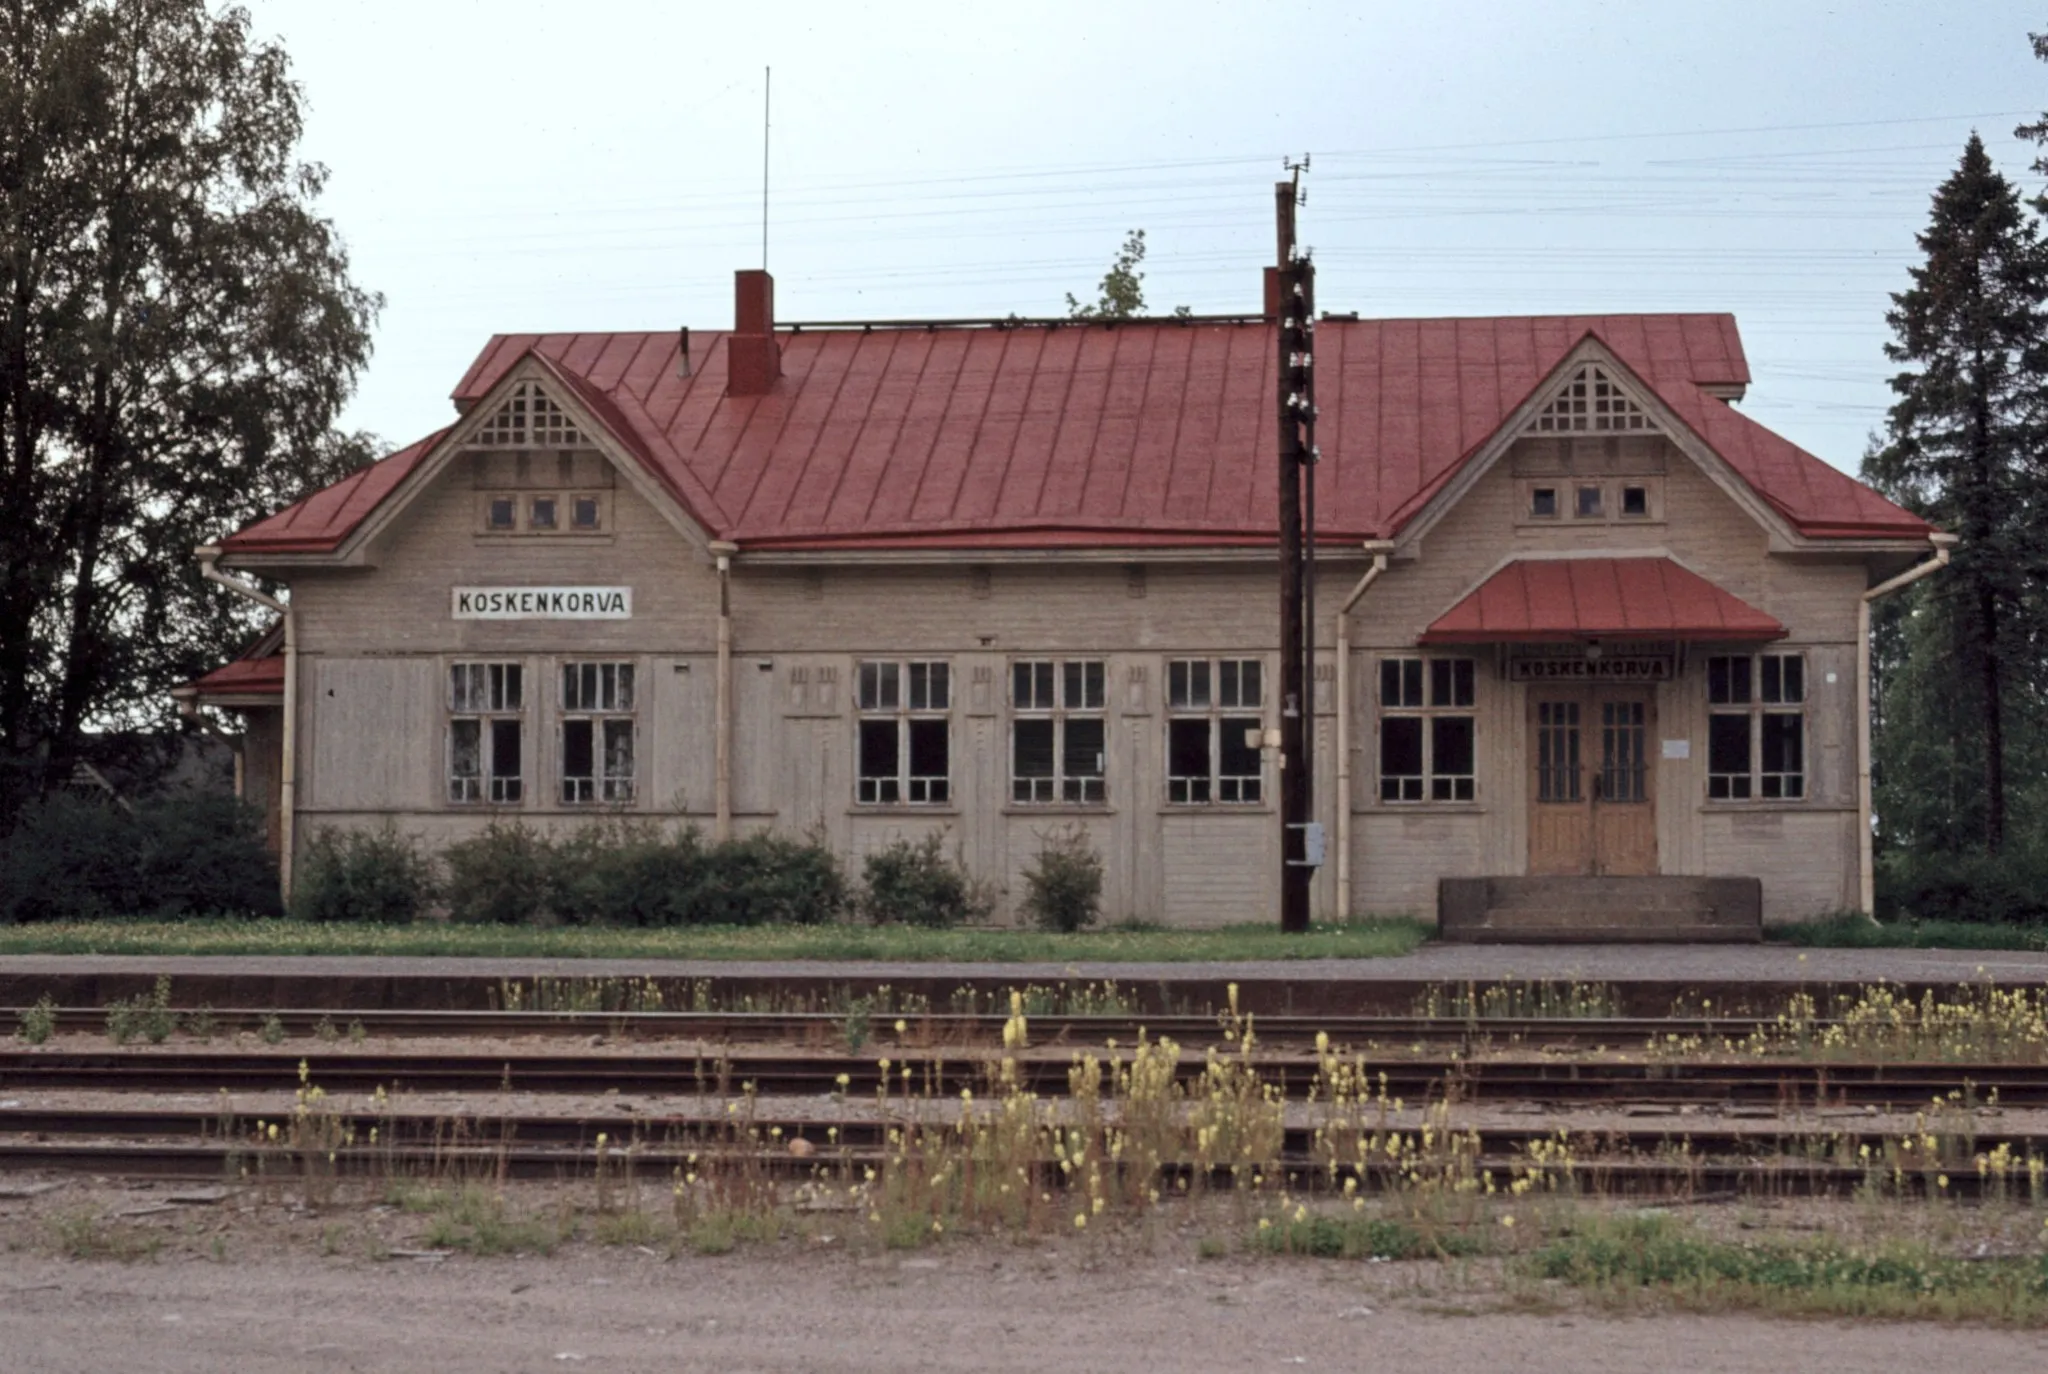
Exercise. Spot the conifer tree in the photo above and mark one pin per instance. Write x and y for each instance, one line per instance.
(1963, 449)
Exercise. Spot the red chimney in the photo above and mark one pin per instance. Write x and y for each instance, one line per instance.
(753, 359)
(1272, 293)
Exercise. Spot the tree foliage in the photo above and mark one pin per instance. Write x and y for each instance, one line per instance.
(178, 332)
(1121, 294)
(1963, 448)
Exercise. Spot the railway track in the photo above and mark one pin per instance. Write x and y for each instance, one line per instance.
(741, 1070)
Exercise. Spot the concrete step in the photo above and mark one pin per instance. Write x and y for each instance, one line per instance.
(1562, 909)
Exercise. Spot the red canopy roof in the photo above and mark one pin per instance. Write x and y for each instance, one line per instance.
(1572, 599)
(1150, 432)
(244, 677)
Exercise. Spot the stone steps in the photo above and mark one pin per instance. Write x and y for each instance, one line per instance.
(1591, 910)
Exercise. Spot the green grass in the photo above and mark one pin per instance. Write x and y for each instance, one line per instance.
(1665, 1258)
(1358, 1238)
(1852, 930)
(1372, 939)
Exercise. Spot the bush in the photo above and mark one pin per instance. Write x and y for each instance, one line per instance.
(1063, 887)
(72, 858)
(913, 882)
(509, 875)
(361, 875)
(627, 875)
(2010, 888)
(769, 879)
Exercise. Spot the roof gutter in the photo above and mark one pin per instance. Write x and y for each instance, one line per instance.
(1866, 844)
(288, 770)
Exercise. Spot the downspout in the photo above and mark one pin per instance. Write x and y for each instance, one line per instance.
(288, 764)
(722, 722)
(1379, 549)
(1866, 845)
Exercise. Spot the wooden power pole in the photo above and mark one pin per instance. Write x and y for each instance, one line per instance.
(1301, 839)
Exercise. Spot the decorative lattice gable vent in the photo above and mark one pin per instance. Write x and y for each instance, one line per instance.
(1591, 403)
(528, 419)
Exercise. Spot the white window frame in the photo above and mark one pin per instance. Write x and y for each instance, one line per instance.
(600, 696)
(1061, 693)
(1774, 692)
(1214, 690)
(486, 695)
(1427, 688)
(913, 694)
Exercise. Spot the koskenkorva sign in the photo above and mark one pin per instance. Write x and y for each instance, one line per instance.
(543, 603)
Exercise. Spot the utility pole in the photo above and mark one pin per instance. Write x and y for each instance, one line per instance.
(1301, 839)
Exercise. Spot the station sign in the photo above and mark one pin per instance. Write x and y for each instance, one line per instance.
(542, 603)
(1606, 668)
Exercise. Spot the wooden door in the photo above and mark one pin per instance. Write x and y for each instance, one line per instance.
(1624, 791)
(1560, 801)
(1592, 781)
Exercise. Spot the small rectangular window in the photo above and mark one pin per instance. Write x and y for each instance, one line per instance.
(903, 741)
(1188, 773)
(1783, 746)
(501, 513)
(1588, 505)
(583, 513)
(597, 733)
(1543, 503)
(1728, 680)
(1427, 744)
(1635, 502)
(541, 513)
(485, 733)
(1188, 684)
(1728, 757)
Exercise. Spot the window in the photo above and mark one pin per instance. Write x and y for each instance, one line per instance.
(1590, 403)
(1213, 730)
(485, 733)
(583, 513)
(528, 419)
(502, 513)
(541, 514)
(1543, 503)
(1588, 506)
(904, 746)
(1057, 748)
(1635, 503)
(1427, 738)
(1756, 727)
(597, 733)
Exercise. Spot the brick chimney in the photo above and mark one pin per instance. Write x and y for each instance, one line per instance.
(1272, 293)
(753, 358)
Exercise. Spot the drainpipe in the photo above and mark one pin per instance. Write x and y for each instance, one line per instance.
(288, 764)
(1866, 845)
(1379, 549)
(722, 722)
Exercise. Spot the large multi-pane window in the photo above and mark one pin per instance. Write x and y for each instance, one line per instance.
(1057, 731)
(1756, 727)
(597, 732)
(1427, 729)
(486, 733)
(904, 744)
(1213, 728)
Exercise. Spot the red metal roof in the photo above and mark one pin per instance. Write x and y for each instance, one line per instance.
(1151, 433)
(1569, 599)
(242, 677)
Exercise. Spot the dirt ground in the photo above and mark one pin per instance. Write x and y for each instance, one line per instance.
(966, 1308)
(243, 1279)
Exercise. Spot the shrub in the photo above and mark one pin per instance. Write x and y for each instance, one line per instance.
(1063, 887)
(624, 874)
(914, 882)
(2007, 888)
(769, 879)
(361, 875)
(508, 875)
(73, 858)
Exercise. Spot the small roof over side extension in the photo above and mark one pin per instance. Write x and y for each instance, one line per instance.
(1569, 600)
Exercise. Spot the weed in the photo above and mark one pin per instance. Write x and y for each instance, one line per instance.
(148, 1016)
(324, 1031)
(858, 1023)
(1357, 1238)
(1211, 1248)
(39, 1022)
(84, 1234)
(476, 1219)
(1063, 886)
(202, 1024)
(272, 1032)
(356, 1033)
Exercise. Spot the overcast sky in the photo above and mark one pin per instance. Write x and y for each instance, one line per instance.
(505, 166)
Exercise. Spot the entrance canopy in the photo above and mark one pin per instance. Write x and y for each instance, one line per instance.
(1568, 600)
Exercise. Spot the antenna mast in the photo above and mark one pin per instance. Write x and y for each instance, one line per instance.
(767, 87)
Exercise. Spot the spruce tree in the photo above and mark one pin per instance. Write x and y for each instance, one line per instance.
(1963, 450)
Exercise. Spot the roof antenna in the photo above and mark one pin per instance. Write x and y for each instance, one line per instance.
(767, 86)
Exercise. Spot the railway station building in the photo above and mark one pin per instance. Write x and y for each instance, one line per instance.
(1583, 627)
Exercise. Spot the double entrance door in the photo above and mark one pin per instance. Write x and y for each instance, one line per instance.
(1592, 780)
